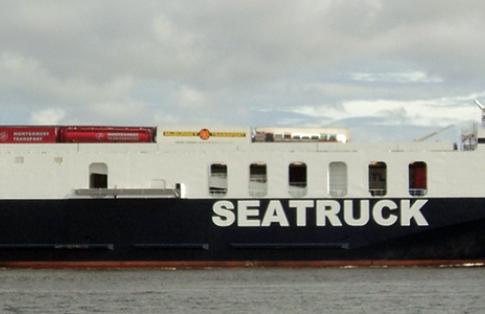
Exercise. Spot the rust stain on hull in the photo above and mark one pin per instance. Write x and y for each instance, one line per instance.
(238, 264)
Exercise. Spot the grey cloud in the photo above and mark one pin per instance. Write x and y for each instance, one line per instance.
(228, 61)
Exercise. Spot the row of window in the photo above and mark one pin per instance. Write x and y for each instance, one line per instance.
(337, 179)
(297, 178)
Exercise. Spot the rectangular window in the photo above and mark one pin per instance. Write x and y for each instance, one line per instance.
(418, 185)
(98, 181)
(297, 179)
(337, 179)
(98, 175)
(218, 179)
(377, 178)
(258, 185)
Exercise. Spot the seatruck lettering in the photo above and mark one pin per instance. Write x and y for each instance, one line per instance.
(321, 213)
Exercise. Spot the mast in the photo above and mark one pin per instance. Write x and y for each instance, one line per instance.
(482, 108)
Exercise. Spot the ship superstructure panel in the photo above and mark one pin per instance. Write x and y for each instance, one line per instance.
(53, 171)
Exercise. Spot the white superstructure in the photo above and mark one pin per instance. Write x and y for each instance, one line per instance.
(230, 163)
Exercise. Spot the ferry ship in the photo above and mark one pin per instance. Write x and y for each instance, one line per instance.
(111, 196)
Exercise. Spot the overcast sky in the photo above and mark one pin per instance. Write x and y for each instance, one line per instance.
(382, 68)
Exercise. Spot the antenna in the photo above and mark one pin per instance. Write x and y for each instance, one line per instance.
(430, 135)
(482, 108)
(479, 104)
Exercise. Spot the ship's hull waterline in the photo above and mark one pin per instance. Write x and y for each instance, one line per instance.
(181, 233)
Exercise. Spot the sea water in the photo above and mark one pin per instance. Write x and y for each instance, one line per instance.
(331, 290)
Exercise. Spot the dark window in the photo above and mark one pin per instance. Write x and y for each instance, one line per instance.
(98, 181)
(297, 179)
(218, 179)
(418, 181)
(269, 137)
(377, 178)
(98, 175)
(257, 179)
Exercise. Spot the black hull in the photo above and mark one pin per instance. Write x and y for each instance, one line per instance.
(181, 232)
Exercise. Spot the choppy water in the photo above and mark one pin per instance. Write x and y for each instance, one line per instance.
(393, 290)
